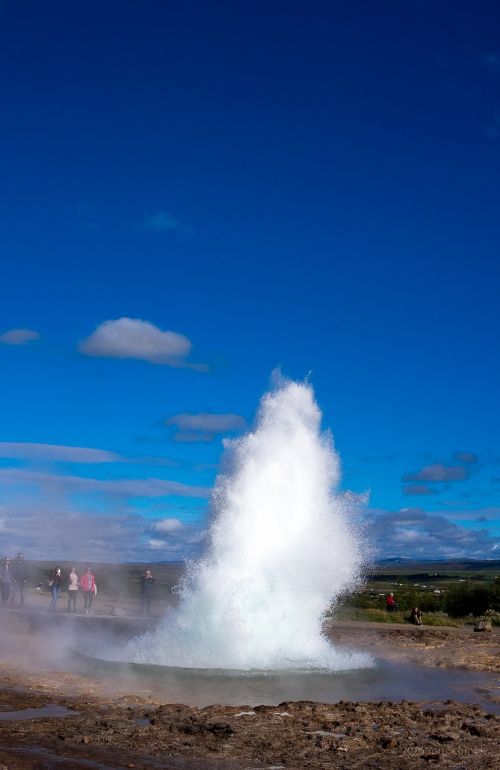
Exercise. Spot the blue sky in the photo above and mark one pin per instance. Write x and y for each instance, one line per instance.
(305, 185)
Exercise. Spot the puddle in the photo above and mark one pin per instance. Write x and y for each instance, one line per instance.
(51, 759)
(51, 710)
(142, 722)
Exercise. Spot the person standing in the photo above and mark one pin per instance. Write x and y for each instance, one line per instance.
(55, 588)
(19, 579)
(147, 582)
(87, 584)
(390, 603)
(6, 580)
(72, 589)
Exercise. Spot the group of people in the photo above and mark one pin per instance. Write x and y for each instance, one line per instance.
(13, 579)
(74, 583)
(88, 587)
(415, 614)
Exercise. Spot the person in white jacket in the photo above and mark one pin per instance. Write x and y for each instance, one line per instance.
(72, 589)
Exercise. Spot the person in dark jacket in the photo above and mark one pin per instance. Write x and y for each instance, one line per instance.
(6, 580)
(147, 583)
(55, 588)
(19, 579)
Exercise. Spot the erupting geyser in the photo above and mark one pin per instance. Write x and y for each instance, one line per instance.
(280, 550)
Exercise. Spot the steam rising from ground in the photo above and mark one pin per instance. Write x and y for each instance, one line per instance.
(281, 548)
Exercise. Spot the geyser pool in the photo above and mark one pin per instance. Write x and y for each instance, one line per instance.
(281, 549)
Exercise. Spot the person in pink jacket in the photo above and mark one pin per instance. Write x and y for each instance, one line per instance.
(87, 584)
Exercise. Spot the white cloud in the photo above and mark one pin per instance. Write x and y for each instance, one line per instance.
(165, 222)
(157, 545)
(167, 525)
(19, 336)
(204, 426)
(406, 536)
(127, 488)
(56, 453)
(134, 338)
(56, 531)
(413, 533)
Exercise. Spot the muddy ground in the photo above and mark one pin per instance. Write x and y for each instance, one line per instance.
(111, 728)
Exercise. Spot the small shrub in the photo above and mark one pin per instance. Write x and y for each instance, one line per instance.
(493, 616)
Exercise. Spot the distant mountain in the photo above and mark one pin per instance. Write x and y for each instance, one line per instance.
(436, 564)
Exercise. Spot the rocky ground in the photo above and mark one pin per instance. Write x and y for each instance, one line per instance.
(289, 735)
(441, 647)
(106, 728)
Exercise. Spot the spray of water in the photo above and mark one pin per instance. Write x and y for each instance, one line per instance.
(281, 549)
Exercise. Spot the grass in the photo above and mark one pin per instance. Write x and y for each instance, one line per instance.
(381, 616)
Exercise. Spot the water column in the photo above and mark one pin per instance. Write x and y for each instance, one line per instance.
(281, 549)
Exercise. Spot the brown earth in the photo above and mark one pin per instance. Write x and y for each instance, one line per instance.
(441, 647)
(110, 728)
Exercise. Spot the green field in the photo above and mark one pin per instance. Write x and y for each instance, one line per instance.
(449, 593)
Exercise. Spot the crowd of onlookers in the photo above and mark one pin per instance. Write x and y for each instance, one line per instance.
(14, 579)
(84, 583)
